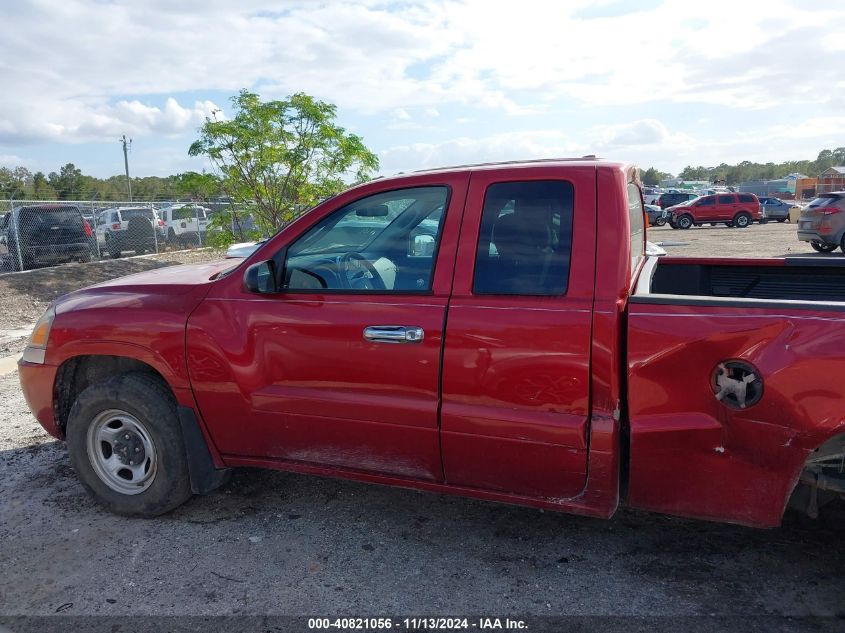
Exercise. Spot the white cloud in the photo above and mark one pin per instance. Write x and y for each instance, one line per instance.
(82, 70)
(12, 160)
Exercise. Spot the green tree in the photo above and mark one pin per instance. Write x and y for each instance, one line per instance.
(41, 189)
(67, 183)
(284, 155)
(652, 176)
(14, 181)
(198, 187)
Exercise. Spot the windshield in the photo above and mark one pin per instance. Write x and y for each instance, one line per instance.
(50, 217)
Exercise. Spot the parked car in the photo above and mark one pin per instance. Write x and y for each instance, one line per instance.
(733, 209)
(672, 198)
(776, 209)
(651, 195)
(137, 229)
(523, 359)
(186, 223)
(43, 235)
(656, 215)
(822, 222)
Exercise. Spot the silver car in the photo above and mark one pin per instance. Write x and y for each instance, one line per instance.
(822, 223)
(776, 209)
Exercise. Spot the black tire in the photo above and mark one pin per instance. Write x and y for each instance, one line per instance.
(823, 247)
(684, 222)
(673, 225)
(171, 236)
(660, 222)
(730, 225)
(742, 220)
(112, 247)
(148, 399)
(782, 220)
(764, 221)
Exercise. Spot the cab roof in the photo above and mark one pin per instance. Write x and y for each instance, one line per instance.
(582, 161)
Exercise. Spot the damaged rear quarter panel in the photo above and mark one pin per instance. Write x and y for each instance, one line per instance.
(692, 455)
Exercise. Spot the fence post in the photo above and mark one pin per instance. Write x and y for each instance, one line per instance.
(94, 215)
(17, 230)
(154, 222)
(199, 231)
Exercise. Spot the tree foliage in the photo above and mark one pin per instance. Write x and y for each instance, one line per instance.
(652, 176)
(285, 155)
(747, 170)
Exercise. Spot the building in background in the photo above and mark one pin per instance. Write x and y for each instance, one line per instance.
(793, 186)
(831, 179)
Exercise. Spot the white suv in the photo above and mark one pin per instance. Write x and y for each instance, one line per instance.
(186, 223)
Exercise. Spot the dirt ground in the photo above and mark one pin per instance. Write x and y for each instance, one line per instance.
(275, 543)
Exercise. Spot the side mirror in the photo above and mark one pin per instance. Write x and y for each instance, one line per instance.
(260, 278)
(422, 246)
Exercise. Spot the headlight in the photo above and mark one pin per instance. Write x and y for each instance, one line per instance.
(36, 347)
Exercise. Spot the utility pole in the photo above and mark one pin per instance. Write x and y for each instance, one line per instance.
(126, 145)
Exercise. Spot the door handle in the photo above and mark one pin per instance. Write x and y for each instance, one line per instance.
(393, 334)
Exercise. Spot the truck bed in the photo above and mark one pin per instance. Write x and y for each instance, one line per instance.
(688, 320)
(798, 279)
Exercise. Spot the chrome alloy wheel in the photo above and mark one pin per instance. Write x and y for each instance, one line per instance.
(121, 452)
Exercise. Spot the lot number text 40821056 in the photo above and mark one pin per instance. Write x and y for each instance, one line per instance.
(417, 624)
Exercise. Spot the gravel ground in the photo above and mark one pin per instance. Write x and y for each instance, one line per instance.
(276, 543)
(759, 240)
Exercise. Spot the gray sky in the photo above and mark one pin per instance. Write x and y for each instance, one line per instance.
(428, 83)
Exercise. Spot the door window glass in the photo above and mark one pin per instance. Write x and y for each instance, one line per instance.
(382, 243)
(707, 202)
(726, 199)
(525, 239)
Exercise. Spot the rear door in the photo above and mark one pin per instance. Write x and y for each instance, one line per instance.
(516, 365)
(725, 206)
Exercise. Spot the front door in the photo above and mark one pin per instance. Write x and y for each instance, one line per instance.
(340, 367)
(516, 369)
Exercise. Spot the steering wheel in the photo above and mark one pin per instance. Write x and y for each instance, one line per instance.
(358, 273)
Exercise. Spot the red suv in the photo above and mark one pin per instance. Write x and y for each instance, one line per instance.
(734, 209)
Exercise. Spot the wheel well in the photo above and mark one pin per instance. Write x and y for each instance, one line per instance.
(78, 373)
(822, 477)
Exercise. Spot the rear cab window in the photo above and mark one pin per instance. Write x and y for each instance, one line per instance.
(525, 241)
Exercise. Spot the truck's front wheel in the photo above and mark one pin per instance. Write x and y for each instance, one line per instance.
(126, 445)
(684, 222)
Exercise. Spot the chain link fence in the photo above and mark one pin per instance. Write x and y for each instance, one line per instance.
(37, 233)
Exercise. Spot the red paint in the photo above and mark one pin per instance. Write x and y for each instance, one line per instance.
(509, 398)
(692, 456)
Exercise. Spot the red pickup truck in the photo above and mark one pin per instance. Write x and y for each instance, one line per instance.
(495, 331)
